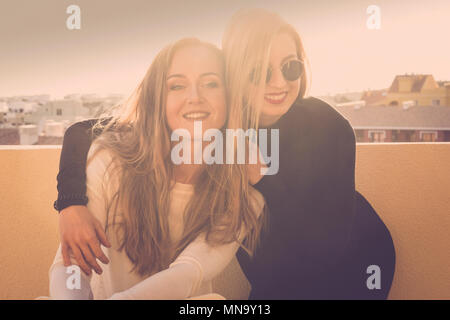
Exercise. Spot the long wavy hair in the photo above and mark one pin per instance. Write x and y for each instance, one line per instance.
(246, 45)
(138, 139)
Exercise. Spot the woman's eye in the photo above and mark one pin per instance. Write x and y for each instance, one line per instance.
(176, 87)
(211, 84)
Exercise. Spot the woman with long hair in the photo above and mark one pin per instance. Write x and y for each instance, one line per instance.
(172, 228)
(317, 246)
(308, 250)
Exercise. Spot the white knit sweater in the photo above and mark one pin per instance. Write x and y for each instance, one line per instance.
(191, 273)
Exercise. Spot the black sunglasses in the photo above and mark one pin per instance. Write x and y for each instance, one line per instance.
(291, 70)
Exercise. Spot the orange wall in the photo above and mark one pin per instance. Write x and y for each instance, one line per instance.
(28, 230)
(407, 184)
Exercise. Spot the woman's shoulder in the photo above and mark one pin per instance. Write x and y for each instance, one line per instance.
(319, 110)
(315, 114)
(98, 155)
(100, 165)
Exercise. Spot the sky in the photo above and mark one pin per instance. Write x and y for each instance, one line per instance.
(118, 40)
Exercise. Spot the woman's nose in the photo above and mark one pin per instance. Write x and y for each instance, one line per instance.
(194, 95)
(277, 79)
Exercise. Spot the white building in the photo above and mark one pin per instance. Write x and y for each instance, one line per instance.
(54, 129)
(28, 134)
(59, 110)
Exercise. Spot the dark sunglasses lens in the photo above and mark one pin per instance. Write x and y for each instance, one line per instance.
(292, 70)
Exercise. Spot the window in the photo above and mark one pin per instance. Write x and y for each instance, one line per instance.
(359, 135)
(59, 112)
(436, 102)
(409, 135)
(428, 136)
(393, 103)
(395, 135)
(377, 136)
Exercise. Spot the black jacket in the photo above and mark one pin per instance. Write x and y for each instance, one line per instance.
(319, 240)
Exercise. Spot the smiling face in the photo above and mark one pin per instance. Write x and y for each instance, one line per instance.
(195, 90)
(279, 93)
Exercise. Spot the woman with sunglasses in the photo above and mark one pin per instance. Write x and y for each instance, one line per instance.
(311, 198)
(317, 246)
(306, 252)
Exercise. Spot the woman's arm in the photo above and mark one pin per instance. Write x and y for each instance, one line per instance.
(72, 165)
(57, 274)
(197, 263)
(80, 232)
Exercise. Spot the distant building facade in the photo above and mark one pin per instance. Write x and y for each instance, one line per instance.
(38, 120)
(398, 124)
(415, 108)
(9, 136)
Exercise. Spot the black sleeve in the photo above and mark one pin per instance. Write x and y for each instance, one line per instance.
(72, 165)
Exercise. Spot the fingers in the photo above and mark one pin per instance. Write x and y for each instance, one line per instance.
(97, 251)
(80, 259)
(101, 236)
(83, 234)
(87, 253)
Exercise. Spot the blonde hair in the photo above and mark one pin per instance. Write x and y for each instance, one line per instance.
(246, 45)
(139, 141)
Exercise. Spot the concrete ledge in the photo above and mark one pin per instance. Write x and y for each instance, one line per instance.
(407, 184)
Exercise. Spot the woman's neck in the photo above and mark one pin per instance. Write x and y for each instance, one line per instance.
(187, 173)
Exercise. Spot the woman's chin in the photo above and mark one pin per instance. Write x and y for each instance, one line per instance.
(274, 111)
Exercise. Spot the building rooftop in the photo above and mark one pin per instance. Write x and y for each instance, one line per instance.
(396, 117)
(373, 96)
(411, 82)
(9, 136)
